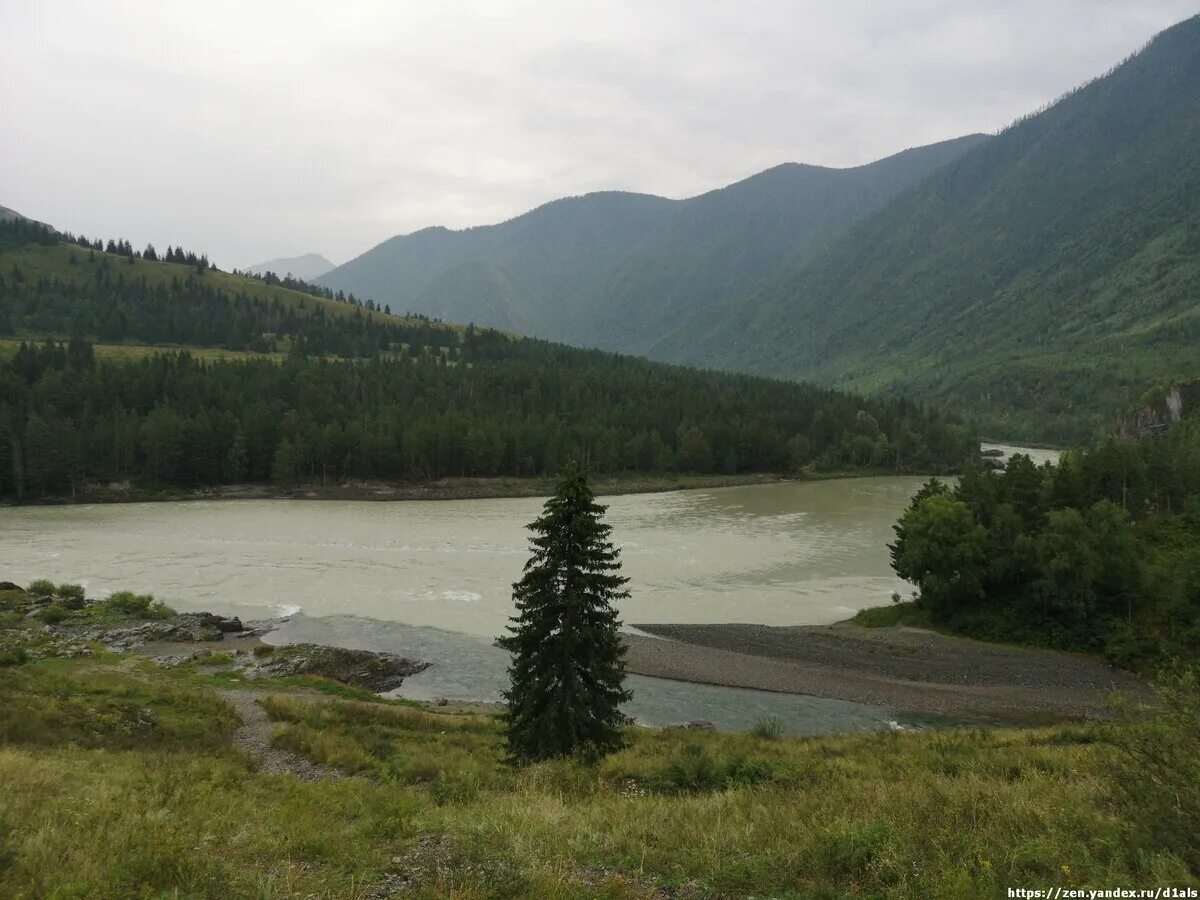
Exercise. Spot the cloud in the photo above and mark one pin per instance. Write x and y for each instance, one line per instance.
(271, 128)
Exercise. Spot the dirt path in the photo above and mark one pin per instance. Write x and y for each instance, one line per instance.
(254, 738)
(905, 669)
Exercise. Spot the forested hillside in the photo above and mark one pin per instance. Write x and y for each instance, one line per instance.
(616, 270)
(51, 285)
(352, 392)
(1043, 280)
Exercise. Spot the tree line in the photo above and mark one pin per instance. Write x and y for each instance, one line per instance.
(520, 408)
(112, 303)
(1100, 552)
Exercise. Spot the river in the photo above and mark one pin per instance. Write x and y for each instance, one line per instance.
(432, 579)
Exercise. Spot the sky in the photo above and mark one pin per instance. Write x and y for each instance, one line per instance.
(258, 129)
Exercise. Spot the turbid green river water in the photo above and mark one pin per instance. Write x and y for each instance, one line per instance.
(432, 579)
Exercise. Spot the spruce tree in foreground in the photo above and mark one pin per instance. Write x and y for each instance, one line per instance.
(568, 660)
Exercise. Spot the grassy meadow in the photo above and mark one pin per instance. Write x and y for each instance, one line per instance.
(121, 779)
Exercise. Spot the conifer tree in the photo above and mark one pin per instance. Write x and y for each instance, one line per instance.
(568, 661)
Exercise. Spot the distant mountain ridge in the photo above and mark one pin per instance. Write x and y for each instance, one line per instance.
(1044, 279)
(616, 270)
(306, 267)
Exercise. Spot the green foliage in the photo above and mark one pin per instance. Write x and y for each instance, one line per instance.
(1097, 553)
(1156, 771)
(49, 703)
(111, 299)
(768, 728)
(567, 670)
(694, 770)
(516, 408)
(17, 656)
(941, 549)
(70, 596)
(55, 614)
(143, 606)
(129, 773)
(906, 613)
(41, 588)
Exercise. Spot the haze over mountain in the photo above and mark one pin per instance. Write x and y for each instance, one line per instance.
(306, 267)
(1045, 278)
(617, 270)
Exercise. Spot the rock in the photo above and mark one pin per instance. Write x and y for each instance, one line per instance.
(227, 625)
(169, 662)
(701, 725)
(201, 653)
(376, 672)
(9, 586)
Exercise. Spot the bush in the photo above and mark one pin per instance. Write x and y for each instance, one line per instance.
(694, 770)
(142, 605)
(129, 603)
(854, 850)
(54, 614)
(41, 588)
(70, 595)
(768, 728)
(1155, 770)
(15, 657)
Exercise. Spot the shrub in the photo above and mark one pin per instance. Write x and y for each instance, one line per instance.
(749, 772)
(54, 614)
(41, 588)
(850, 848)
(70, 595)
(142, 605)
(1155, 770)
(15, 657)
(129, 603)
(694, 770)
(263, 650)
(768, 728)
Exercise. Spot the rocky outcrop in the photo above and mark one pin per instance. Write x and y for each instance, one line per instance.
(1154, 418)
(376, 672)
(73, 632)
(192, 628)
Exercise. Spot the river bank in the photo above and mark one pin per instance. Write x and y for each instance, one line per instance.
(906, 669)
(464, 488)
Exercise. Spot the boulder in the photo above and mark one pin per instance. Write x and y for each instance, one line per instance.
(377, 672)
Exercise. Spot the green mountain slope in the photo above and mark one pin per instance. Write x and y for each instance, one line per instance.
(615, 270)
(1043, 280)
(285, 386)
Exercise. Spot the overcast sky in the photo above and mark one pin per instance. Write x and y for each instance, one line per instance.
(256, 129)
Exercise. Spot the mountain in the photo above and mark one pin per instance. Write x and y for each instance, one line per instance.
(616, 270)
(1043, 280)
(7, 215)
(306, 267)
